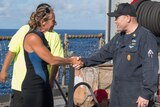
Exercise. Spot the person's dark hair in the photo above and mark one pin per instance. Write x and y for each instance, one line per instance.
(42, 13)
(42, 4)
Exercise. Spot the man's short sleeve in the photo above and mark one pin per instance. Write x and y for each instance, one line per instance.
(17, 39)
(55, 44)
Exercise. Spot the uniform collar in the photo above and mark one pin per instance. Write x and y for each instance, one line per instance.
(133, 34)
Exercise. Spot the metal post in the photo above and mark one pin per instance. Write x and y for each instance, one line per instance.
(71, 87)
(108, 21)
(61, 91)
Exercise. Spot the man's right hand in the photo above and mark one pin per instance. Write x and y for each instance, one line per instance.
(3, 76)
(79, 63)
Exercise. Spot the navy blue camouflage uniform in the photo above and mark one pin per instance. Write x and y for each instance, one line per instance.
(135, 66)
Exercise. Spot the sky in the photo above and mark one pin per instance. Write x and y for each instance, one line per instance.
(70, 14)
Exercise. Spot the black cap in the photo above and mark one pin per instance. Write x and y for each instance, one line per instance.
(123, 9)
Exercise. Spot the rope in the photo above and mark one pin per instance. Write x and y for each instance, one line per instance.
(84, 36)
(5, 37)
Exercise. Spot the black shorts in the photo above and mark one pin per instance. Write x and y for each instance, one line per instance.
(38, 97)
(16, 99)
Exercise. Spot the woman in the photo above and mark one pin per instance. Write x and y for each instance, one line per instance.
(36, 90)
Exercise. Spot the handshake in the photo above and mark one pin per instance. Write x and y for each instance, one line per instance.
(77, 63)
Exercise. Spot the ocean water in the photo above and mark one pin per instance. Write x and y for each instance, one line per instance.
(80, 47)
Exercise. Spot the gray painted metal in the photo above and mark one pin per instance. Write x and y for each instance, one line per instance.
(110, 25)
